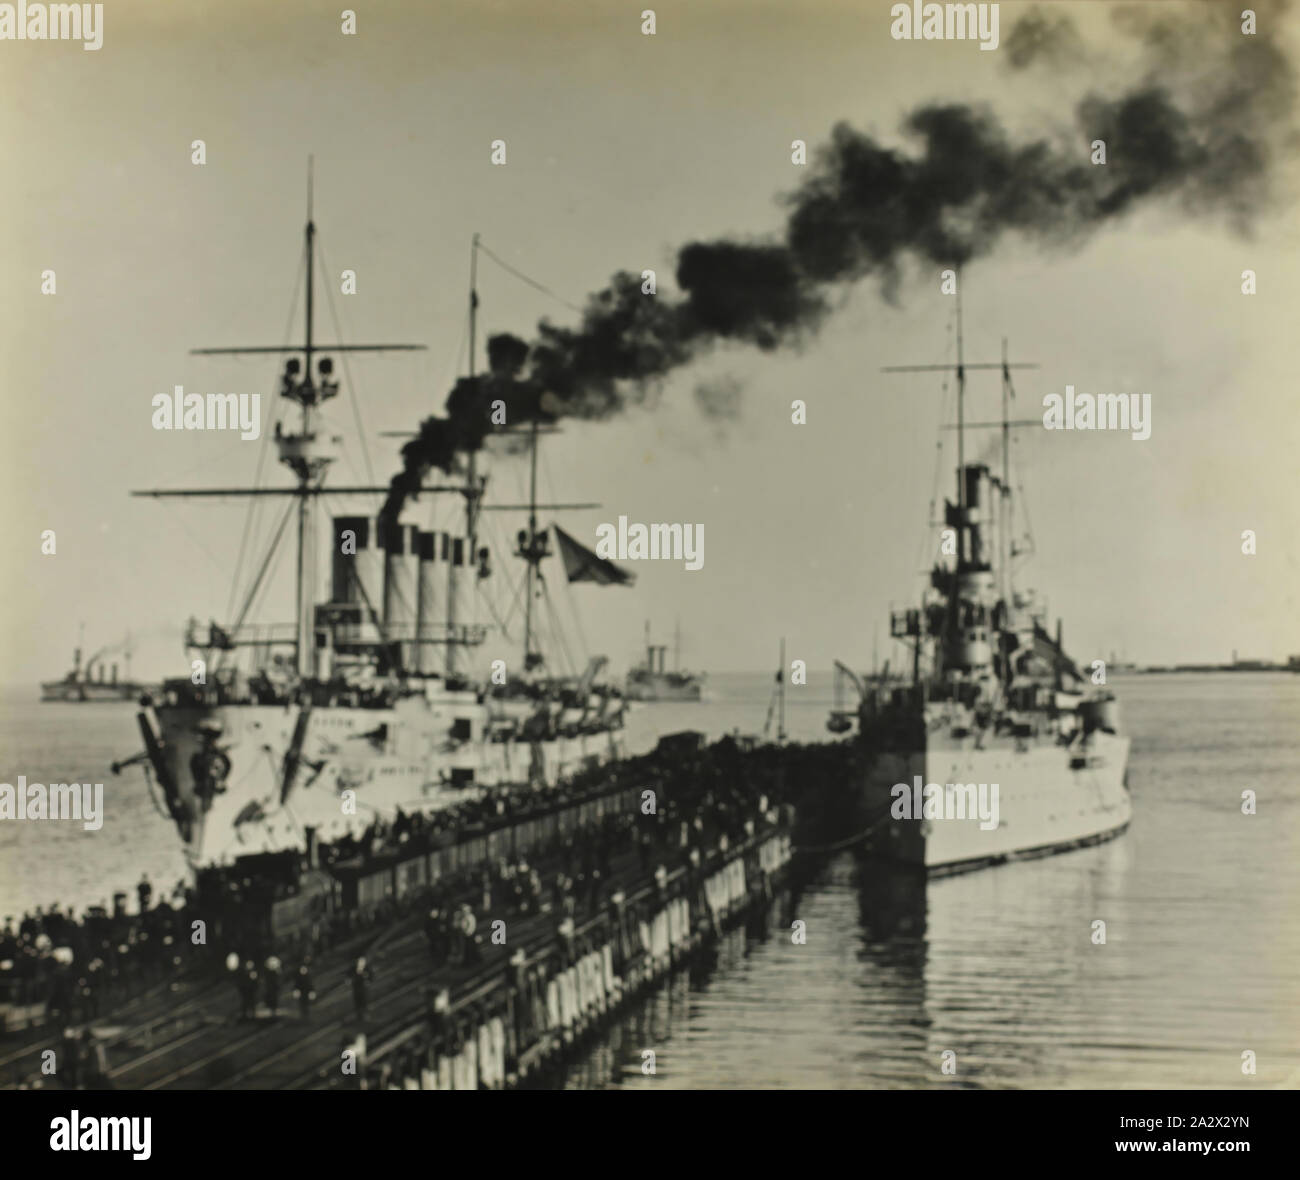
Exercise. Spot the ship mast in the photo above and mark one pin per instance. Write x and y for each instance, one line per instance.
(913, 626)
(306, 455)
(306, 550)
(1004, 500)
(1005, 425)
(471, 473)
(961, 435)
(534, 556)
(472, 500)
(780, 680)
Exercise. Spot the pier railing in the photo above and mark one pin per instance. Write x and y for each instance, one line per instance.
(699, 901)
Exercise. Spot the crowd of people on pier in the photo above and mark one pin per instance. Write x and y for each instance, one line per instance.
(78, 967)
(409, 833)
(62, 968)
(706, 806)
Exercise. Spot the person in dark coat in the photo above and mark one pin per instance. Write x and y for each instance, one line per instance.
(433, 931)
(248, 991)
(361, 987)
(144, 891)
(468, 926)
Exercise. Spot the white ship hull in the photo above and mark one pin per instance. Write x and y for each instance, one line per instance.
(247, 778)
(1050, 798)
(663, 689)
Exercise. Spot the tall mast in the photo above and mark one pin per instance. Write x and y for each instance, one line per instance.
(471, 505)
(306, 590)
(915, 630)
(961, 434)
(311, 234)
(532, 555)
(1004, 501)
(304, 453)
(1006, 425)
(780, 680)
(471, 475)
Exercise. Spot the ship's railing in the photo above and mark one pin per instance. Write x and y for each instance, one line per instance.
(246, 635)
(394, 872)
(351, 625)
(535, 822)
(611, 931)
(348, 633)
(430, 634)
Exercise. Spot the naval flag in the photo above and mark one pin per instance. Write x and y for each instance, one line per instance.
(582, 565)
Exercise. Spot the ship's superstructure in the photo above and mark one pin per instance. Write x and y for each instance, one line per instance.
(997, 746)
(372, 700)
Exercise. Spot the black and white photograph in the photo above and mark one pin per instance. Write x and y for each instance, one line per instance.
(732, 545)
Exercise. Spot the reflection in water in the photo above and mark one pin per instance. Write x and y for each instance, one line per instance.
(1201, 905)
(999, 968)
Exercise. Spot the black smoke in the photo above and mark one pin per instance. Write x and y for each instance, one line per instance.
(1042, 37)
(1201, 130)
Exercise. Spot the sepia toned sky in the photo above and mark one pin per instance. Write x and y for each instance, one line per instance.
(620, 148)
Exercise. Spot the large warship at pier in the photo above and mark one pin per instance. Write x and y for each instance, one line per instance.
(380, 697)
(994, 711)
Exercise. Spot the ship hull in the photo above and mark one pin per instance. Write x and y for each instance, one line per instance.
(243, 779)
(82, 692)
(663, 691)
(1050, 798)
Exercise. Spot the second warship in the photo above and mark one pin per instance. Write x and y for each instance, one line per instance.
(996, 747)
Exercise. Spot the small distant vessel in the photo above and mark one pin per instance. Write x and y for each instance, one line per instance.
(91, 683)
(651, 681)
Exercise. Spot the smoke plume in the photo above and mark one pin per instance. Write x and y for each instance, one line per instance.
(1201, 130)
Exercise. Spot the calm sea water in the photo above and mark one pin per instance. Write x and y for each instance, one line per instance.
(1201, 960)
(1201, 905)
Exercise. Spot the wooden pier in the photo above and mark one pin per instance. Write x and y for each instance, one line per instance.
(528, 988)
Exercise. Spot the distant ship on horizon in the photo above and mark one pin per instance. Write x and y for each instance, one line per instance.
(82, 686)
(652, 681)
